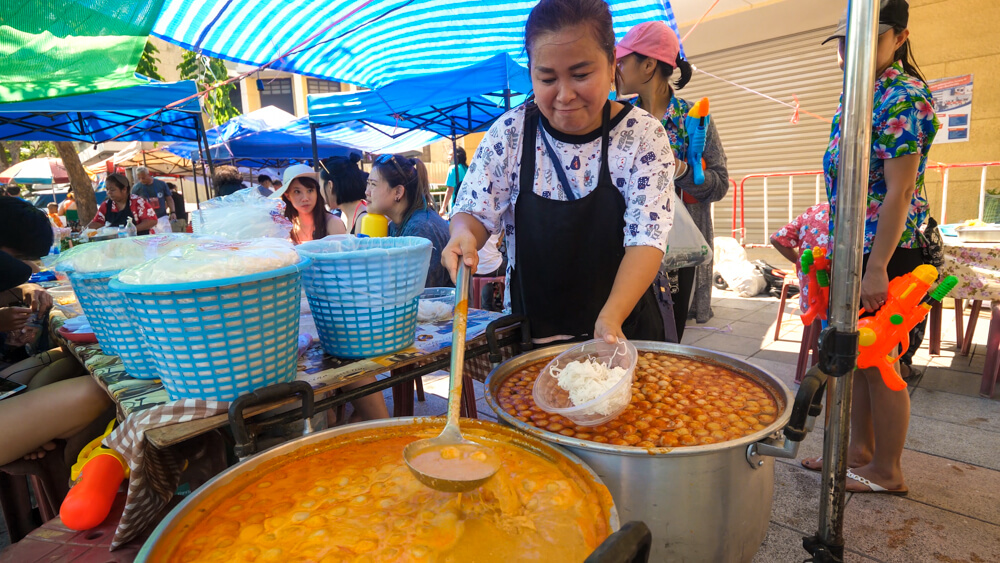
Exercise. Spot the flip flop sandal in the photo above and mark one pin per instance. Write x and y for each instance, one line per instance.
(874, 487)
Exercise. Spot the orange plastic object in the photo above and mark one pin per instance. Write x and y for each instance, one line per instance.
(879, 336)
(699, 109)
(816, 266)
(89, 501)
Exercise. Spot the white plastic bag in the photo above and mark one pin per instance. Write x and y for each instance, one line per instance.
(212, 260)
(686, 246)
(732, 264)
(162, 226)
(242, 215)
(119, 253)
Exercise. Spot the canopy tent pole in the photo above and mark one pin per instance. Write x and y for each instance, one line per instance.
(839, 348)
(203, 137)
(315, 148)
(506, 99)
(143, 151)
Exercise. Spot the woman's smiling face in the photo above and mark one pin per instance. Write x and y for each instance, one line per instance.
(571, 76)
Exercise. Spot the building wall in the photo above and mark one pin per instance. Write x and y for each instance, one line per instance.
(949, 38)
(952, 38)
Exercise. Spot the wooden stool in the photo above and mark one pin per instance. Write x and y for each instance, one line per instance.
(810, 344)
(790, 281)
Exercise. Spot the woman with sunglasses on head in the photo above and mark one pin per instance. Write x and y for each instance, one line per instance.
(903, 128)
(305, 207)
(581, 186)
(647, 57)
(398, 189)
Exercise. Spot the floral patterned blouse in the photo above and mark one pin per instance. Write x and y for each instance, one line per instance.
(903, 123)
(808, 230)
(639, 155)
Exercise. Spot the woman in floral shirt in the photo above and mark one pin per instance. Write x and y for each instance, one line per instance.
(587, 182)
(903, 127)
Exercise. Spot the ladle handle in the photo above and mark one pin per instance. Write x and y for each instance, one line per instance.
(459, 325)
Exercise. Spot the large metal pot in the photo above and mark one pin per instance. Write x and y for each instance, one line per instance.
(702, 503)
(172, 528)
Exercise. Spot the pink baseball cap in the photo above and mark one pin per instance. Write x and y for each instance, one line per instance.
(651, 39)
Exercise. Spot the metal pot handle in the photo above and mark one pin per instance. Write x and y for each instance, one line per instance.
(504, 322)
(630, 544)
(807, 406)
(246, 442)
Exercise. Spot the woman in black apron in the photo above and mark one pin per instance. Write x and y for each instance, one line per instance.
(587, 251)
(121, 205)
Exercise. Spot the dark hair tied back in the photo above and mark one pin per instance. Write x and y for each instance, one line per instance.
(550, 16)
(685, 77)
(905, 54)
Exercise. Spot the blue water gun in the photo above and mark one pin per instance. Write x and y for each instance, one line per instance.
(696, 124)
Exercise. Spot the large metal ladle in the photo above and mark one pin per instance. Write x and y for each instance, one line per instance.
(451, 437)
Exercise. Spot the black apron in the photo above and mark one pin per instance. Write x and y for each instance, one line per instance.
(120, 218)
(568, 252)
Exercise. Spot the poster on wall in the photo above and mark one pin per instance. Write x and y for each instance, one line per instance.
(953, 104)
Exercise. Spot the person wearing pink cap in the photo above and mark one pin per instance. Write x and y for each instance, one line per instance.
(305, 206)
(647, 57)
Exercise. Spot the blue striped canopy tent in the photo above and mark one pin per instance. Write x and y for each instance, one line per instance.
(450, 103)
(369, 43)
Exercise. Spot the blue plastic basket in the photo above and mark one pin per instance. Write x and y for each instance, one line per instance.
(219, 339)
(363, 292)
(114, 327)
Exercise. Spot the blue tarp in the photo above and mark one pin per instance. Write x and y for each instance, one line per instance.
(455, 102)
(292, 141)
(267, 117)
(378, 42)
(120, 115)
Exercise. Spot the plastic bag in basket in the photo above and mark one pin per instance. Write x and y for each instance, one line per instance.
(212, 260)
(119, 253)
(242, 215)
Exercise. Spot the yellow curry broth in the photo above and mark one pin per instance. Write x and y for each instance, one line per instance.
(359, 502)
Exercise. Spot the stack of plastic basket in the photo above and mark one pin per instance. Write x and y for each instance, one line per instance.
(363, 292)
(114, 327)
(218, 339)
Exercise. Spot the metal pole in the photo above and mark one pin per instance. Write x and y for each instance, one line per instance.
(982, 194)
(315, 149)
(944, 196)
(791, 201)
(203, 137)
(767, 230)
(855, 148)
(818, 178)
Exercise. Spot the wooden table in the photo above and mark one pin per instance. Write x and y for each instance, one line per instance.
(324, 373)
(977, 267)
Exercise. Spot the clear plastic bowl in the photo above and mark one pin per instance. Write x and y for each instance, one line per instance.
(552, 398)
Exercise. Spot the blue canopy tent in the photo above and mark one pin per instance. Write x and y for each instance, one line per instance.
(137, 113)
(451, 104)
(153, 111)
(218, 138)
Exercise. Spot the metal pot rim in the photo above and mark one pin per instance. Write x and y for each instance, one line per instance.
(780, 391)
(166, 526)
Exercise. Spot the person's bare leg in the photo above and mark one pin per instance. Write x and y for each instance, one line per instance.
(859, 452)
(369, 407)
(890, 414)
(59, 370)
(53, 412)
(25, 370)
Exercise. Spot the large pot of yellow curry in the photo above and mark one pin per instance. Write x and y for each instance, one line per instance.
(346, 494)
(692, 456)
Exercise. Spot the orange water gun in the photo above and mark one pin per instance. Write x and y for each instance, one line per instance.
(98, 473)
(816, 266)
(907, 305)
(696, 125)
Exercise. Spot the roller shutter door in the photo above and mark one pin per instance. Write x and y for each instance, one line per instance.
(757, 133)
